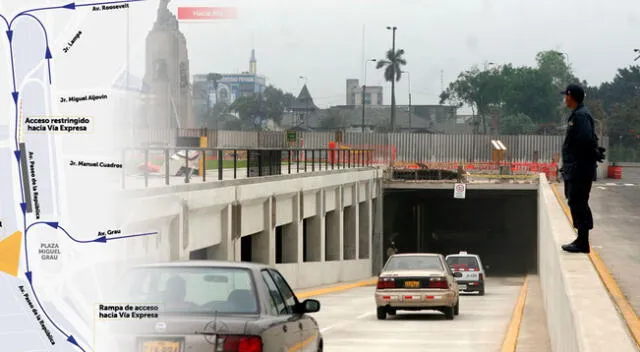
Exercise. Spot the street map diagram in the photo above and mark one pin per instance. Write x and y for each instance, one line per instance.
(58, 173)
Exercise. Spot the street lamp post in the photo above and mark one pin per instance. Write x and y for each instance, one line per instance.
(364, 88)
(393, 79)
(409, 81)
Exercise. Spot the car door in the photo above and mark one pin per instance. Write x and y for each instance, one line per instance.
(307, 328)
(281, 335)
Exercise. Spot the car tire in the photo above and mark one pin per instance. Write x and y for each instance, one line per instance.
(481, 292)
(381, 313)
(320, 348)
(456, 308)
(391, 311)
(449, 313)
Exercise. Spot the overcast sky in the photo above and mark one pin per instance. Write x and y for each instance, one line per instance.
(323, 40)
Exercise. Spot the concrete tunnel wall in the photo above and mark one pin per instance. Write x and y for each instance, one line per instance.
(499, 225)
(316, 229)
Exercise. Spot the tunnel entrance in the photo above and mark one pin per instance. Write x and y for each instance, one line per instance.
(501, 226)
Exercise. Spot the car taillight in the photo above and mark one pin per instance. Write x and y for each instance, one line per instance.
(438, 282)
(238, 343)
(386, 282)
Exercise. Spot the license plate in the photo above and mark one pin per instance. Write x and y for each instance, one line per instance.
(462, 287)
(161, 346)
(412, 284)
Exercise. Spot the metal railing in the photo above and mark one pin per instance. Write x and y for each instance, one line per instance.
(192, 163)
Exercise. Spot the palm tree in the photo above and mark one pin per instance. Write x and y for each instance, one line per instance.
(392, 72)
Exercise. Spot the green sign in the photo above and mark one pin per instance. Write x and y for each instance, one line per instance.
(292, 136)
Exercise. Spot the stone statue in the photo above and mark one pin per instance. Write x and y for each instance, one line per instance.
(165, 19)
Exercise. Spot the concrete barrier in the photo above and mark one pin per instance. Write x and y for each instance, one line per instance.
(580, 314)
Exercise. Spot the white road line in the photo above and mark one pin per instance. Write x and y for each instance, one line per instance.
(629, 184)
(602, 187)
(610, 184)
(361, 316)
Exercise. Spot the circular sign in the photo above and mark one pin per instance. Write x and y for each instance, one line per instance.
(460, 188)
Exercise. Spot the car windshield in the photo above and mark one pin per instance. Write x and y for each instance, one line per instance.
(192, 290)
(417, 262)
(463, 262)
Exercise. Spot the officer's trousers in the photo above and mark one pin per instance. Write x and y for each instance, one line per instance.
(577, 193)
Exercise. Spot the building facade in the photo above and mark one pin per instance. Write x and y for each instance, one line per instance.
(372, 94)
(210, 89)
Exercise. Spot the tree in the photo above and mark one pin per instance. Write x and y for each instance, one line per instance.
(531, 92)
(478, 89)
(268, 105)
(392, 65)
(517, 124)
(333, 120)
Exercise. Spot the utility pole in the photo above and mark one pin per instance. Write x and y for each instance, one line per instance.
(393, 79)
(364, 88)
(409, 81)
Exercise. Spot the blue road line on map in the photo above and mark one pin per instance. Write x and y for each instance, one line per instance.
(131, 236)
(5, 21)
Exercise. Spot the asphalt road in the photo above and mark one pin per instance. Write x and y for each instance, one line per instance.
(616, 235)
(348, 322)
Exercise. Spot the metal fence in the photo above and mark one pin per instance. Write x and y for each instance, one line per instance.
(410, 147)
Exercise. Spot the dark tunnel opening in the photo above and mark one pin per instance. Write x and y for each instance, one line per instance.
(501, 226)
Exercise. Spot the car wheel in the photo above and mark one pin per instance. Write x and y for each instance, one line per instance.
(391, 311)
(481, 292)
(456, 308)
(320, 346)
(449, 313)
(382, 313)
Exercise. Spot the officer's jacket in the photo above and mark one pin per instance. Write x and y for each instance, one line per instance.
(579, 147)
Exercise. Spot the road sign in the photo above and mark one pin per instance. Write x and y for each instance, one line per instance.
(460, 191)
(292, 136)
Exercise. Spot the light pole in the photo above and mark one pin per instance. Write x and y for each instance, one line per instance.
(409, 81)
(364, 88)
(393, 78)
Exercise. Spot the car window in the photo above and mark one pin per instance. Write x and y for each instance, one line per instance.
(285, 290)
(277, 305)
(417, 262)
(192, 289)
(463, 262)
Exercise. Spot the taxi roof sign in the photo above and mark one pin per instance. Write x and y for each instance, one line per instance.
(463, 252)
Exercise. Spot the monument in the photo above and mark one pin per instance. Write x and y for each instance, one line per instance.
(167, 74)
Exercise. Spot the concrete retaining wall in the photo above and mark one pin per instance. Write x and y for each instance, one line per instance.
(580, 314)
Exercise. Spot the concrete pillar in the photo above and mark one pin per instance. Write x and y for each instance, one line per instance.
(315, 231)
(263, 244)
(183, 225)
(365, 225)
(355, 203)
(377, 236)
(292, 235)
(225, 249)
(350, 237)
(333, 229)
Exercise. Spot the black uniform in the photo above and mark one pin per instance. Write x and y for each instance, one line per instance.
(579, 164)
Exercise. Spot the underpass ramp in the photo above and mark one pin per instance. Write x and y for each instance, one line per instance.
(348, 322)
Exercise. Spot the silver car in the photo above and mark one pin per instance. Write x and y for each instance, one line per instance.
(211, 306)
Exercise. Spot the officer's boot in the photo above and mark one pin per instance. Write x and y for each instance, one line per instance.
(580, 245)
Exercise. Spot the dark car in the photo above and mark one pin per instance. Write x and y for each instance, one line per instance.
(213, 306)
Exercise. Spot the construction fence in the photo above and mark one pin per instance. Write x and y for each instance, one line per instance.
(388, 148)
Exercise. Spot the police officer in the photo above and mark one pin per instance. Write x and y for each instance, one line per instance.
(580, 153)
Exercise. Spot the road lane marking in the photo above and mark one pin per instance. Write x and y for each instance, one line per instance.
(513, 330)
(628, 314)
(333, 289)
(339, 325)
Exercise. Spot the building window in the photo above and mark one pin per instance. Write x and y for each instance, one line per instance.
(379, 99)
(367, 98)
